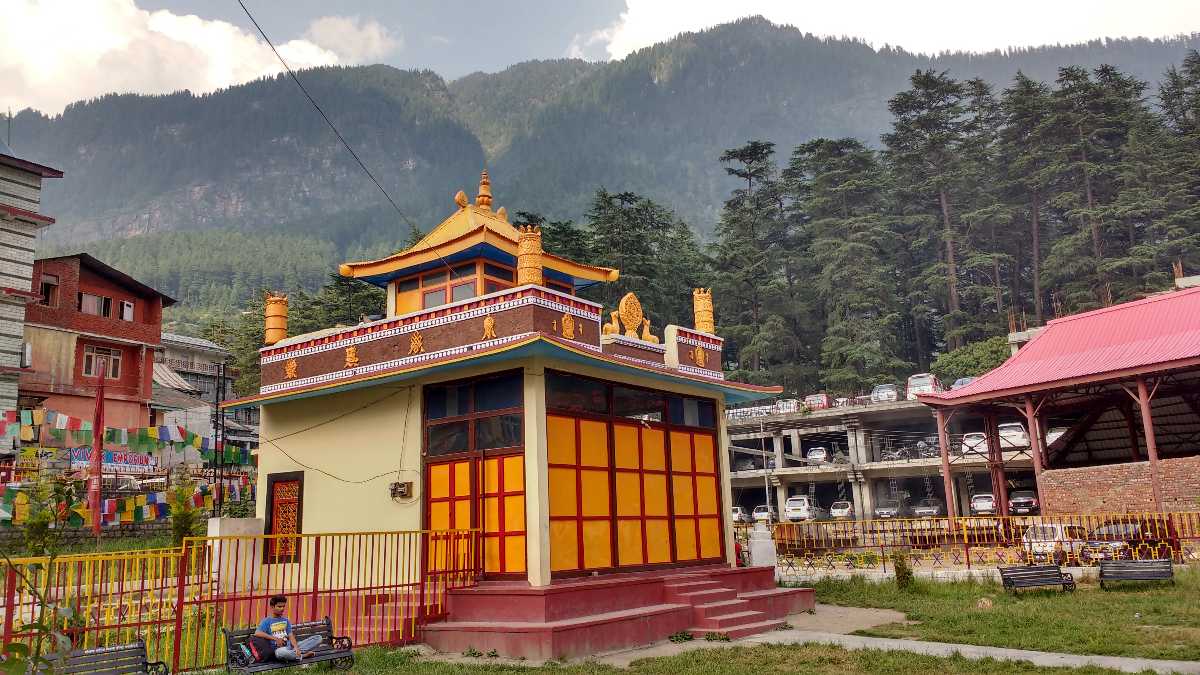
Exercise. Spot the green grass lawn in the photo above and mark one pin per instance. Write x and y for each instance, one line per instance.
(731, 661)
(1151, 620)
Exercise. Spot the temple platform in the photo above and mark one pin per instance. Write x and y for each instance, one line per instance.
(579, 617)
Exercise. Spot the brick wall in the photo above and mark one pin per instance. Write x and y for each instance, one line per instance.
(1121, 487)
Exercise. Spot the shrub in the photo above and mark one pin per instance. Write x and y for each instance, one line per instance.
(186, 518)
(904, 573)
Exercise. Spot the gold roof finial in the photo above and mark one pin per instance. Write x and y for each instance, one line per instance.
(484, 199)
(460, 198)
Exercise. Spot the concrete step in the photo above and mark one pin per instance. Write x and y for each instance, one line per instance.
(780, 602)
(738, 632)
(726, 621)
(708, 609)
(690, 586)
(703, 597)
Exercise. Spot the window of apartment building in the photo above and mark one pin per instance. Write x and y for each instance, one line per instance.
(49, 290)
(126, 310)
(93, 356)
(26, 354)
(96, 305)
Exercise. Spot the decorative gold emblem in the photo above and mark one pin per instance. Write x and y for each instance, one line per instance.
(646, 336)
(631, 314)
(416, 344)
(289, 369)
(489, 328)
(702, 308)
(529, 255)
(612, 328)
(699, 357)
(568, 326)
(351, 357)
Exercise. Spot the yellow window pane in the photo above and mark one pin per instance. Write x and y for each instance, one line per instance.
(595, 492)
(514, 554)
(462, 479)
(514, 473)
(560, 439)
(514, 513)
(593, 443)
(682, 485)
(653, 453)
(491, 514)
(704, 453)
(564, 545)
(462, 514)
(562, 492)
(597, 544)
(625, 446)
(439, 516)
(710, 538)
(706, 495)
(656, 494)
(681, 451)
(491, 476)
(629, 542)
(491, 554)
(685, 538)
(658, 542)
(629, 494)
(439, 481)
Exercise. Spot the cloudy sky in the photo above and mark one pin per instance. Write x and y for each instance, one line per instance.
(58, 51)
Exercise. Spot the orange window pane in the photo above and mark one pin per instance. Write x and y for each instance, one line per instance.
(462, 479)
(514, 473)
(656, 494)
(462, 514)
(658, 541)
(682, 486)
(710, 538)
(562, 492)
(491, 514)
(560, 439)
(597, 544)
(681, 451)
(629, 494)
(514, 513)
(439, 516)
(491, 476)
(564, 545)
(595, 492)
(629, 542)
(706, 495)
(653, 453)
(593, 443)
(704, 453)
(439, 481)
(685, 538)
(625, 446)
(514, 554)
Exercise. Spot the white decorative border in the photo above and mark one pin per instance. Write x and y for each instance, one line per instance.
(427, 323)
(702, 372)
(699, 343)
(634, 342)
(634, 359)
(387, 365)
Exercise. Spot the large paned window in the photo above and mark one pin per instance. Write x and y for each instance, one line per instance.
(483, 414)
(94, 356)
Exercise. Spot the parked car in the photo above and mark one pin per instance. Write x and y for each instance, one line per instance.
(961, 382)
(923, 383)
(974, 442)
(929, 508)
(892, 508)
(885, 393)
(818, 454)
(800, 507)
(764, 513)
(1054, 542)
(841, 510)
(1023, 503)
(1012, 435)
(983, 504)
(1053, 434)
(1129, 537)
(816, 401)
(740, 515)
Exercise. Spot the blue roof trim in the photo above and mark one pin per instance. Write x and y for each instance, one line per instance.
(485, 251)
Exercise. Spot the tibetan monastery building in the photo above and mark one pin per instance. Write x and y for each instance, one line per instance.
(492, 397)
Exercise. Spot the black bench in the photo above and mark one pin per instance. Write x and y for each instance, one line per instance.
(335, 649)
(1136, 570)
(130, 658)
(1031, 576)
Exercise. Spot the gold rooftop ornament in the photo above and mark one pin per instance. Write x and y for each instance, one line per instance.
(489, 327)
(352, 357)
(484, 199)
(646, 336)
(529, 255)
(702, 308)
(460, 198)
(630, 309)
(613, 327)
(275, 318)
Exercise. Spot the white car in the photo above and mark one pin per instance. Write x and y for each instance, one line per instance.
(1054, 543)
(739, 515)
(1053, 434)
(923, 383)
(801, 507)
(1012, 435)
(885, 393)
(818, 454)
(764, 514)
(974, 442)
(983, 504)
(841, 510)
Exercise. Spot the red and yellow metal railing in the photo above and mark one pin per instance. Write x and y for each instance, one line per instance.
(376, 587)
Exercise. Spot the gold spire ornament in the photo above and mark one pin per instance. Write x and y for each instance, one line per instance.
(489, 328)
(631, 314)
(484, 199)
(529, 255)
(702, 308)
(502, 213)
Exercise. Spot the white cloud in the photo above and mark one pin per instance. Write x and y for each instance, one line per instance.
(928, 26)
(53, 52)
(354, 40)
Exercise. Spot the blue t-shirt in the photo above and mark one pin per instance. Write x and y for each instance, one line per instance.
(279, 628)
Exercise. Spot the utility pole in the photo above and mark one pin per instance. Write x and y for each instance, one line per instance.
(218, 438)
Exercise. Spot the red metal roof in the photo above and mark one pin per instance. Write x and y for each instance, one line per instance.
(1149, 335)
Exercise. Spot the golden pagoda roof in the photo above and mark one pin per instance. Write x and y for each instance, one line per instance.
(470, 226)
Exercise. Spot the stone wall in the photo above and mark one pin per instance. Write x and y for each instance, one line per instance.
(1121, 487)
(12, 542)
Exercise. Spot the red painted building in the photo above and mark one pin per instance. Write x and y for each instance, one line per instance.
(89, 313)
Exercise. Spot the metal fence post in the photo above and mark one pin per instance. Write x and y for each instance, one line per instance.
(966, 543)
(181, 568)
(10, 601)
(316, 557)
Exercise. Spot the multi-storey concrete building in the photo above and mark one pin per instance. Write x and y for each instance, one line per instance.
(20, 220)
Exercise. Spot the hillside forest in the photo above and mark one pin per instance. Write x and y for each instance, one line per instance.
(844, 262)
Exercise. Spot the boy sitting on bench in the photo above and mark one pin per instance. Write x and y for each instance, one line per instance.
(277, 629)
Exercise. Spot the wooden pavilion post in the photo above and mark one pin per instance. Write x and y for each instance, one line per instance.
(1151, 446)
(996, 461)
(944, 447)
(1035, 446)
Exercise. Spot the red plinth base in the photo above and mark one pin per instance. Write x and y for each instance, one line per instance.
(575, 618)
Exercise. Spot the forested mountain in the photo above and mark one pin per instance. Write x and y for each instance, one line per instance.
(154, 180)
